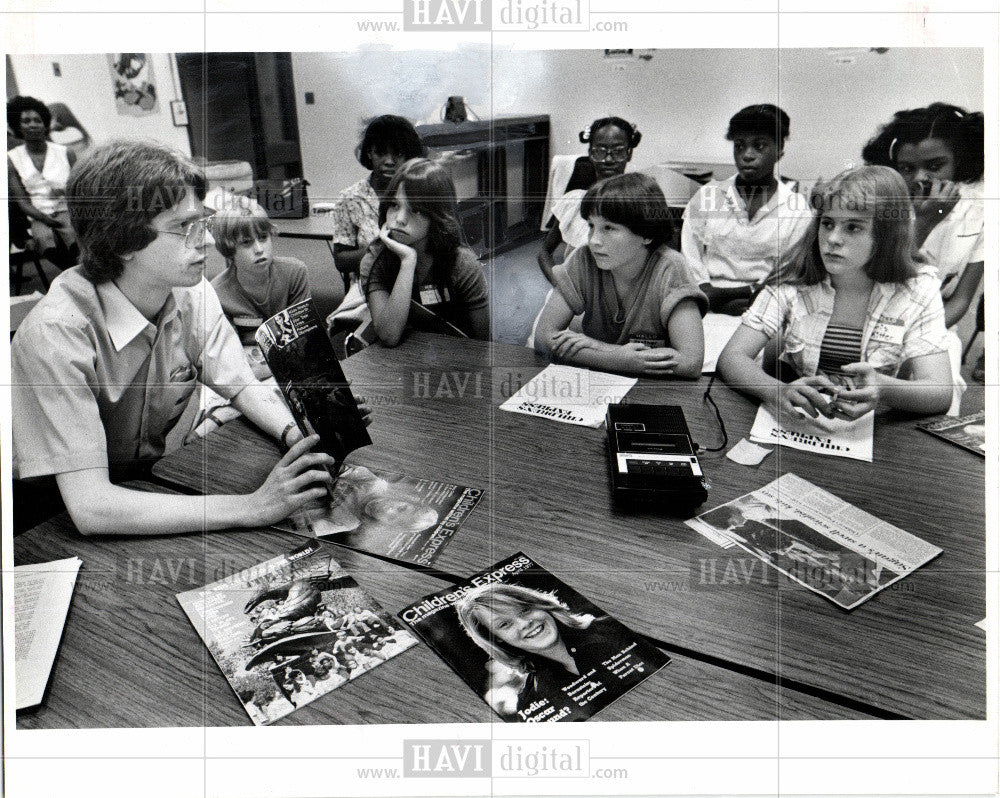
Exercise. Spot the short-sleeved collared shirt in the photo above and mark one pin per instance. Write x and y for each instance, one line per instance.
(728, 249)
(904, 321)
(957, 240)
(355, 215)
(96, 385)
(590, 291)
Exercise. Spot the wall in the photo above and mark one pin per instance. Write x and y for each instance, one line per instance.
(86, 87)
(680, 99)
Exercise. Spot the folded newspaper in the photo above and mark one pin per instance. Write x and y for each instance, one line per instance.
(570, 395)
(391, 515)
(301, 358)
(817, 540)
(530, 645)
(830, 436)
(969, 432)
(291, 629)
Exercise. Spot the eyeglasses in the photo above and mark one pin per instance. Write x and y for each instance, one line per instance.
(599, 153)
(193, 232)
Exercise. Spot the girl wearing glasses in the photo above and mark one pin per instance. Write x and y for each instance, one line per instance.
(611, 141)
(641, 309)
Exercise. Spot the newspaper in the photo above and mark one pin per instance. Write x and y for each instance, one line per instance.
(531, 646)
(301, 358)
(291, 629)
(570, 395)
(388, 514)
(831, 436)
(817, 540)
(42, 594)
(969, 432)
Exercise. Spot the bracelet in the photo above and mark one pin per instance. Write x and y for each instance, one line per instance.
(284, 433)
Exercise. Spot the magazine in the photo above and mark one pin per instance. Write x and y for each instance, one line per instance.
(388, 514)
(301, 358)
(817, 540)
(969, 432)
(42, 594)
(831, 436)
(291, 629)
(570, 395)
(530, 645)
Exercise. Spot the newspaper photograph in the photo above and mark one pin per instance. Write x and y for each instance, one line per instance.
(969, 431)
(533, 648)
(817, 540)
(291, 629)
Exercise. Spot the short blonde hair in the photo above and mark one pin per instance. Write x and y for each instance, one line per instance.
(237, 221)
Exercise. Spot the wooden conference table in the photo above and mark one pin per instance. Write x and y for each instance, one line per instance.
(757, 648)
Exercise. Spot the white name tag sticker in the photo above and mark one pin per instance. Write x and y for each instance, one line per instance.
(247, 321)
(888, 331)
(430, 295)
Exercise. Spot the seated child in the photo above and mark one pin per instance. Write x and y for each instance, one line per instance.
(854, 317)
(641, 307)
(610, 141)
(939, 152)
(388, 142)
(255, 283)
(420, 257)
(736, 231)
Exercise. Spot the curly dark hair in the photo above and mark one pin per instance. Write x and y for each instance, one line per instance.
(18, 105)
(960, 129)
(114, 194)
(389, 133)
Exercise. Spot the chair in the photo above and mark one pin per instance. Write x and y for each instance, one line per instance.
(22, 250)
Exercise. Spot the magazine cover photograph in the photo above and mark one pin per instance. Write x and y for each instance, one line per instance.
(969, 432)
(291, 629)
(532, 647)
(817, 540)
(301, 358)
(392, 515)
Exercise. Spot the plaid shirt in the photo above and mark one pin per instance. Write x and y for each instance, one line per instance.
(904, 321)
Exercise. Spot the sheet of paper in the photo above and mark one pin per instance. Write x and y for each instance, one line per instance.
(570, 395)
(42, 593)
(831, 436)
(719, 328)
(748, 454)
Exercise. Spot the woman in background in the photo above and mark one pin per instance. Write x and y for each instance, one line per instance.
(37, 173)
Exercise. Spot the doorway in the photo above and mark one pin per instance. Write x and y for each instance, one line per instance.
(241, 106)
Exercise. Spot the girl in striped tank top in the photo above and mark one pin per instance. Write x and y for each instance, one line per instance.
(856, 318)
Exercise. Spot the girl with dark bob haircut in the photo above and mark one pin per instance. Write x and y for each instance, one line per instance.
(421, 257)
(854, 319)
(641, 309)
(939, 152)
(115, 192)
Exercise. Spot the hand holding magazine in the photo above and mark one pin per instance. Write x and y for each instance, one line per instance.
(301, 358)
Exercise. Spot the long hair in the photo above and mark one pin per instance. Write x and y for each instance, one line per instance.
(430, 191)
(960, 129)
(876, 190)
(485, 598)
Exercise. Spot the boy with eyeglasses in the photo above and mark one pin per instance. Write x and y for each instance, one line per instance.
(103, 367)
